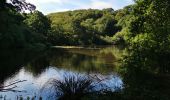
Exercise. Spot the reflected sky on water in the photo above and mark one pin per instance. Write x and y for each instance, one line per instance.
(37, 68)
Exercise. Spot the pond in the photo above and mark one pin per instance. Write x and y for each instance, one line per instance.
(32, 70)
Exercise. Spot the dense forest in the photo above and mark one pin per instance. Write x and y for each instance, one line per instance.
(17, 29)
(143, 28)
(140, 23)
(83, 27)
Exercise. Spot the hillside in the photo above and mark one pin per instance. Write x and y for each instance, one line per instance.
(83, 27)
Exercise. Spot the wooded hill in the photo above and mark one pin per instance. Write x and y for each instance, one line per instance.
(83, 27)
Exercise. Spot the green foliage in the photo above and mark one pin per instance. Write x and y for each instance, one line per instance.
(146, 30)
(37, 22)
(16, 5)
(124, 17)
(83, 27)
(72, 87)
(10, 29)
(21, 30)
(150, 33)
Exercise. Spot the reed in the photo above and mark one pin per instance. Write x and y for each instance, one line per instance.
(72, 87)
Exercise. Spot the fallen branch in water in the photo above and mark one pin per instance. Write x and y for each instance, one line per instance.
(11, 87)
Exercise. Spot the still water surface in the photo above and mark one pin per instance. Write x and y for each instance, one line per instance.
(36, 68)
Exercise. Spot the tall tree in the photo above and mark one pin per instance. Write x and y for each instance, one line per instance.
(18, 5)
(38, 22)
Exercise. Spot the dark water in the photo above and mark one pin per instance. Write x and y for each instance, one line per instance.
(37, 67)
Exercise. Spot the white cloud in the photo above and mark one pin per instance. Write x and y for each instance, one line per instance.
(94, 4)
(129, 0)
(98, 4)
(48, 1)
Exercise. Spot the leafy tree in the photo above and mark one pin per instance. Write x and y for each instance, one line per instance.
(18, 5)
(14, 33)
(149, 36)
(85, 26)
(38, 22)
(107, 25)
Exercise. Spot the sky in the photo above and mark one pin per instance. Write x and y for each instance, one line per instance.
(50, 6)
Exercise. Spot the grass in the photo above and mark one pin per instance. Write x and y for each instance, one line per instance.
(72, 87)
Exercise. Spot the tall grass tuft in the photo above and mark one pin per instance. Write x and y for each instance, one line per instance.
(72, 87)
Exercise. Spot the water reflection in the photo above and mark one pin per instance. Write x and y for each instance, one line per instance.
(37, 67)
(102, 60)
(11, 61)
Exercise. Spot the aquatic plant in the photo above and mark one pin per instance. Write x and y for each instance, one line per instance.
(72, 87)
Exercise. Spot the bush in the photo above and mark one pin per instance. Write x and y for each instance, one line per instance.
(72, 87)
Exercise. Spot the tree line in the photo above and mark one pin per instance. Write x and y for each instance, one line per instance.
(83, 27)
(144, 27)
(19, 29)
(79, 27)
